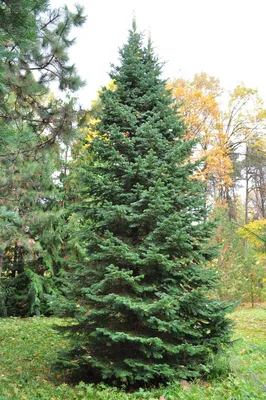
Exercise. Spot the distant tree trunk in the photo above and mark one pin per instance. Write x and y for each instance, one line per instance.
(1, 261)
(20, 265)
(252, 297)
(3, 310)
(18, 262)
(230, 204)
(247, 188)
(234, 201)
(262, 192)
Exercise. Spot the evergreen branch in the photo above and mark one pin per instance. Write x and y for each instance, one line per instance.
(24, 118)
(43, 66)
(51, 20)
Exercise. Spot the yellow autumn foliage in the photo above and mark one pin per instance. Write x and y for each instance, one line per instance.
(202, 116)
(255, 233)
(88, 128)
(89, 131)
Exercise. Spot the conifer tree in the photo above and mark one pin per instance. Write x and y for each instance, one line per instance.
(31, 232)
(143, 314)
(34, 44)
(34, 126)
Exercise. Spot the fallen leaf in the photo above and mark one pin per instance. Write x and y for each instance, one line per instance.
(185, 384)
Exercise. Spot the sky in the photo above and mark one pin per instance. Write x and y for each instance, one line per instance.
(225, 38)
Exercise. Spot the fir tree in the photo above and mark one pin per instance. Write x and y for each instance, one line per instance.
(143, 314)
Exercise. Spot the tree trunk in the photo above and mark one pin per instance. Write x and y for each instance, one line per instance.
(1, 261)
(246, 178)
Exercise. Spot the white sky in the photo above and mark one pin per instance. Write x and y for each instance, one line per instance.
(225, 38)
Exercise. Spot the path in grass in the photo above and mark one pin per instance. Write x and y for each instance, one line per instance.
(29, 346)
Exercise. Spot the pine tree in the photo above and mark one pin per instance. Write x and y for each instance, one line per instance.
(34, 44)
(143, 314)
(34, 128)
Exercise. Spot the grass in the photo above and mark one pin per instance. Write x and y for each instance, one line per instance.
(28, 347)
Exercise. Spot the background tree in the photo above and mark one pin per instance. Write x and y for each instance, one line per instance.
(252, 170)
(244, 125)
(35, 127)
(241, 269)
(32, 233)
(199, 101)
(227, 133)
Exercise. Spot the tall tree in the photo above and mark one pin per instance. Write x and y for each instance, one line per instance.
(34, 125)
(143, 314)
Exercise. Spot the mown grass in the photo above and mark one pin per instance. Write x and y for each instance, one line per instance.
(29, 346)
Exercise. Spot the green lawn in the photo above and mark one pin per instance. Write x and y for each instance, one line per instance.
(28, 346)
